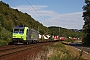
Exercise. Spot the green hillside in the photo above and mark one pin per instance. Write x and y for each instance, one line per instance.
(12, 17)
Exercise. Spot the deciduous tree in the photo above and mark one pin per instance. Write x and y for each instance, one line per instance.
(86, 27)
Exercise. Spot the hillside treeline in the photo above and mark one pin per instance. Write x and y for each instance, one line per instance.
(12, 17)
(65, 32)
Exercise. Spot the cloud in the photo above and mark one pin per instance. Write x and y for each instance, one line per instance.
(51, 18)
(35, 11)
(70, 20)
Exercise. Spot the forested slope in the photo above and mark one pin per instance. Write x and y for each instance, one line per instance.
(12, 17)
(65, 32)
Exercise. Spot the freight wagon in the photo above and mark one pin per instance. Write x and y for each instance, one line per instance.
(24, 35)
(57, 38)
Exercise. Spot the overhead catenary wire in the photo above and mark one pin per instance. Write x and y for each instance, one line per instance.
(40, 13)
(36, 10)
(33, 7)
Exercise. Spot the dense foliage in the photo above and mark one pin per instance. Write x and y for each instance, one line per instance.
(12, 17)
(86, 27)
(65, 32)
(5, 36)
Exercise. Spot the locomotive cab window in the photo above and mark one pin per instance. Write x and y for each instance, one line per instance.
(16, 30)
(21, 31)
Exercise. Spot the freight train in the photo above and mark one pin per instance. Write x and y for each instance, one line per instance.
(24, 35)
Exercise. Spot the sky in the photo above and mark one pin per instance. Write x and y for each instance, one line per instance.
(61, 13)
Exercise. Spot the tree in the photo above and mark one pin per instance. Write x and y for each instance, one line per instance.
(86, 27)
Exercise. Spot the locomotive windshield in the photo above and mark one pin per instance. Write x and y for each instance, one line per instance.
(16, 30)
(21, 31)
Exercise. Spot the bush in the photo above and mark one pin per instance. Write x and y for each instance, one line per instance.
(3, 43)
(5, 36)
(69, 40)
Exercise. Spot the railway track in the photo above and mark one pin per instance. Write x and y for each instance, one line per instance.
(79, 46)
(17, 49)
(12, 50)
(9, 47)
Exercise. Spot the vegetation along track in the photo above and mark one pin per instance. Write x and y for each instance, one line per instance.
(19, 48)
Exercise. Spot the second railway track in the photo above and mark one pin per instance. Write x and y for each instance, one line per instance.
(18, 49)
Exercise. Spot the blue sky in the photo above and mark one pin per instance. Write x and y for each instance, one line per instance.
(62, 13)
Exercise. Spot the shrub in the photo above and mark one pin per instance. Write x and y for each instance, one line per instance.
(3, 43)
(5, 36)
(69, 40)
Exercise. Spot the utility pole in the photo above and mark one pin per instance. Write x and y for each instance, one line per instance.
(38, 29)
(59, 31)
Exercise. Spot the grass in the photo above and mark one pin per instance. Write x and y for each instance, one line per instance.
(57, 51)
(60, 52)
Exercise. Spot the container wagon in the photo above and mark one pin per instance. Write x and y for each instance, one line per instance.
(24, 35)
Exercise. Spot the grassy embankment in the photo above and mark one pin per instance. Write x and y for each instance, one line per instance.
(58, 51)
